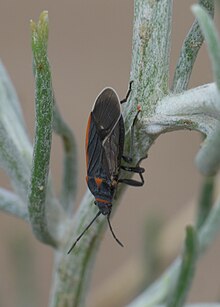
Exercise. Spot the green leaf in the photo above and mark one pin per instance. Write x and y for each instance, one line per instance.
(208, 159)
(69, 180)
(212, 39)
(43, 132)
(187, 269)
(15, 147)
(205, 201)
(189, 51)
(11, 203)
(12, 100)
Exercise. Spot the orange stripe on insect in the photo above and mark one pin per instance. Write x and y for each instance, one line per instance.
(98, 181)
(102, 200)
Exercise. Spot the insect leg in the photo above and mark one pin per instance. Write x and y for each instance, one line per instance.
(133, 182)
(128, 93)
(136, 169)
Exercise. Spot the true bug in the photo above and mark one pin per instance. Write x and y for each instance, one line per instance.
(104, 152)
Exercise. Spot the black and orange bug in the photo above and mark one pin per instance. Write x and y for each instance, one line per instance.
(104, 152)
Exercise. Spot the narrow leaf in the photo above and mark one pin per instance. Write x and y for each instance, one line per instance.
(15, 147)
(208, 159)
(69, 180)
(205, 201)
(187, 269)
(189, 51)
(210, 228)
(12, 204)
(212, 39)
(43, 131)
(11, 94)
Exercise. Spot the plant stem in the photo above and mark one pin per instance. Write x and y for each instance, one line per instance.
(150, 55)
(208, 159)
(11, 203)
(69, 181)
(189, 51)
(187, 269)
(205, 201)
(43, 133)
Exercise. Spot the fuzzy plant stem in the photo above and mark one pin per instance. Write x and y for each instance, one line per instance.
(11, 203)
(208, 160)
(15, 147)
(189, 257)
(40, 206)
(189, 51)
(69, 180)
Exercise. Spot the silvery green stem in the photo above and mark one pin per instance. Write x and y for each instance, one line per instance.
(72, 273)
(11, 95)
(206, 199)
(212, 39)
(15, 147)
(195, 109)
(150, 55)
(41, 209)
(189, 51)
(69, 180)
(187, 269)
(208, 159)
(11, 203)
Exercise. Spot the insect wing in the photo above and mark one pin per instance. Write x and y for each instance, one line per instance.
(108, 118)
(103, 134)
(94, 149)
(113, 147)
(106, 112)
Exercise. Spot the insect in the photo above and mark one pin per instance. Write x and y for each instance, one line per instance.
(104, 153)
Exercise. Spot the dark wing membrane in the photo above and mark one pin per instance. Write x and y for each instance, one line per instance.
(106, 112)
(104, 158)
(113, 148)
(94, 150)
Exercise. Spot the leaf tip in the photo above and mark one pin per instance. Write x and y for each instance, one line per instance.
(32, 25)
(195, 8)
(43, 17)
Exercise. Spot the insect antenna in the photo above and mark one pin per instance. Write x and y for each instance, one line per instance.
(80, 236)
(114, 236)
